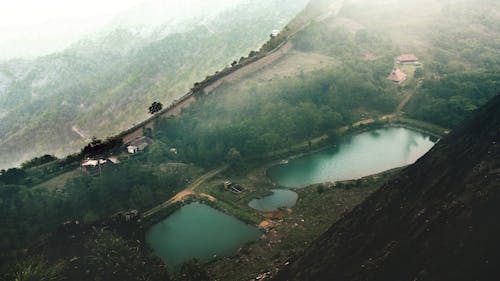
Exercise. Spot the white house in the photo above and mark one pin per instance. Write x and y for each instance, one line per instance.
(114, 160)
(132, 149)
(93, 163)
(138, 144)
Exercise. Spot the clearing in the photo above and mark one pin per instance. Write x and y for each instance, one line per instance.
(59, 181)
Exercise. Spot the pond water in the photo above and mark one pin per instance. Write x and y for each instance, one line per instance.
(279, 199)
(361, 155)
(198, 231)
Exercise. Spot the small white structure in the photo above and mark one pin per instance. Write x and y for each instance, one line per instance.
(138, 144)
(132, 149)
(275, 33)
(90, 163)
(114, 160)
(93, 163)
(173, 150)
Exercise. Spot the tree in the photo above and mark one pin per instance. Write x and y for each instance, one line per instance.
(155, 107)
(234, 159)
(419, 73)
(13, 176)
(333, 136)
(98, 147)
(37, 269)
(37, 161)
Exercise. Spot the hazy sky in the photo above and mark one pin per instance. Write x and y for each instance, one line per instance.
(34, 27)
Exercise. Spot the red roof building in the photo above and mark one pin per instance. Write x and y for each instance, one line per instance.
(397, 76)
(407, 58)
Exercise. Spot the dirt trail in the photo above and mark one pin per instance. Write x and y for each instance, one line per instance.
(407, 97)
(188, 191)
(75, 129)
(403, 103)
(208, 196)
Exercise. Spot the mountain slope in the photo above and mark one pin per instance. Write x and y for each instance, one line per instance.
(101, 86)
(332, 73)
(434, 221)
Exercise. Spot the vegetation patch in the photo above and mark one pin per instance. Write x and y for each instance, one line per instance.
(292, 230)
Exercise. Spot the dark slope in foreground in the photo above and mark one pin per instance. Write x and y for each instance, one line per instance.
(436, 220)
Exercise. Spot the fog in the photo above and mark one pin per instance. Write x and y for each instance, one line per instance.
(30, 28)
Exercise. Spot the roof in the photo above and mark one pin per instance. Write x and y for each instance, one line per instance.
(93, 163)
(141, 142)
(114, 160)
(132, 149)
(397, 76)
(265, 224)
(407, 57)
(90, 163)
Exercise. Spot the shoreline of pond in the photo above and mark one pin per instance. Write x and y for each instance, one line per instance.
(254, 217)
(262, 170)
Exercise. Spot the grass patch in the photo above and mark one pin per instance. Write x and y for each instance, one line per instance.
(59, 181)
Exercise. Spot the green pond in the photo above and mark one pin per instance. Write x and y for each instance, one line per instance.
(280, 198)
(358, 156)
(198, 231)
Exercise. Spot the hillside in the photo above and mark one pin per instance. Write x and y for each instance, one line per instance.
(436, 220)
(104, 84)
(332, 73)
(315, 85)
(344, 48)
(110, 249)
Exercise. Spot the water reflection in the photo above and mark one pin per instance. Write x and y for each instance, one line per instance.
(358, 156)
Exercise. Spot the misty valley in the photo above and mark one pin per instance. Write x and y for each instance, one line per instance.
(250, 140)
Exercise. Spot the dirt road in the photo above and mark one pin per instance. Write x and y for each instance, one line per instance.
(188, 191)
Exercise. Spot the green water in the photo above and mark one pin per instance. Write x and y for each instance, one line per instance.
(361, 155)
(279, 199)
(198, 231)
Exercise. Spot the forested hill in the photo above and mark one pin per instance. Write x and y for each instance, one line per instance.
(55, 104)
(334, 71)
(437, 220)
(104, 84)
